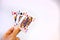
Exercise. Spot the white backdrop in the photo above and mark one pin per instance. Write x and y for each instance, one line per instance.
(46, 12)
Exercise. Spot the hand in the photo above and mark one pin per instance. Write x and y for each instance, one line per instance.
(11, 34)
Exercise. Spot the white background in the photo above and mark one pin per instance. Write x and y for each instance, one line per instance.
(46, 12)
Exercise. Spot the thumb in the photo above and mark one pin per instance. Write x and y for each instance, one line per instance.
(17, 38)
(16, 31)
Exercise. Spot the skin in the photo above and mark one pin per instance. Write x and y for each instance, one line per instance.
(11, 34)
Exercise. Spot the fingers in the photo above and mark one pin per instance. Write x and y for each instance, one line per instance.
(16, 31)
(17, 38)
(9, 31)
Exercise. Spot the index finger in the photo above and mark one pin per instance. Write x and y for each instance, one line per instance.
(9, 32)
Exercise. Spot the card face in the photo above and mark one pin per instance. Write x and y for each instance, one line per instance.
(26, 22)
(22, 19)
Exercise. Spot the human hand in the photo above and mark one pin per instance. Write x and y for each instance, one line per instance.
(11, 34)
